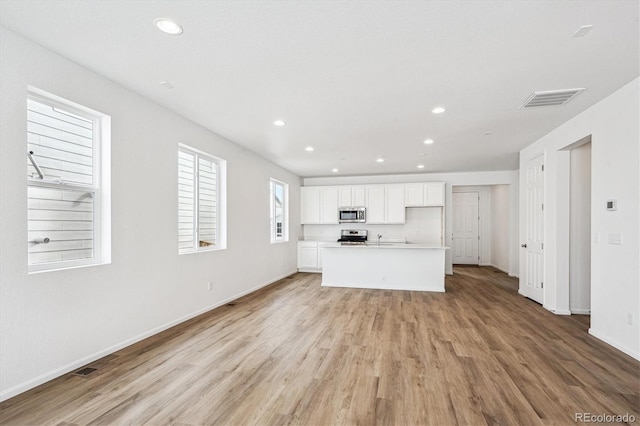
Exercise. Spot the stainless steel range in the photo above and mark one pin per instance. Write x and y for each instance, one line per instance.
(353, 237)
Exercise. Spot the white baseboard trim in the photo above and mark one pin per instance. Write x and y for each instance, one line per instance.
(514, 275)
(312, 271)
(557, 311)
(581, 311)
(622, 348)
(499, 268)
(43, 378)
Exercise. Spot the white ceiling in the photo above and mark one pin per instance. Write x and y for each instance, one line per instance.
(354, 79)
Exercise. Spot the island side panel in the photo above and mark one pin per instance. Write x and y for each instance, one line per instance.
(388, 268)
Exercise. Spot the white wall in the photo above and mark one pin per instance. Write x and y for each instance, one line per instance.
(612, 124)
(580, 231)
(500, 232)
(51, 323)
(509, 177)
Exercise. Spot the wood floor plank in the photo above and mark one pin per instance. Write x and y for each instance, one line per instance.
(301, 354)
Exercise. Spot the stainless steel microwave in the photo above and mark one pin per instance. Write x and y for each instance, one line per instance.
(352, 215)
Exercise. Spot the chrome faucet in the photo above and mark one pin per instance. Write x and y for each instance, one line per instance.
(379, 236)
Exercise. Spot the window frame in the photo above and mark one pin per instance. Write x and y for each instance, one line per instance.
(220, 223)
(100, 187)
(273, 234)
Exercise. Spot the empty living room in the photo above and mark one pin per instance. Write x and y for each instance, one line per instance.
(320, 212)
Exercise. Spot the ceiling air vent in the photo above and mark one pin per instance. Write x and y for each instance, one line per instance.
(550, 98)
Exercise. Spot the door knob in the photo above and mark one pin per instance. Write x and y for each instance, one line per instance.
(523, 245)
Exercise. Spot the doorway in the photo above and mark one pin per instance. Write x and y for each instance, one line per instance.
(466, 228)
(580, 230)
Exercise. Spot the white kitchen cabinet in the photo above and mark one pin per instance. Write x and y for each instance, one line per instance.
(424, 194)
(309, 204)
(319, 205)
(309, 256)
(434, 194)
(344, 196)
(375, 204)
(328, 205)
(385, 204)
(414, 194)
(358, 198)
(394, 204)
(351, 196)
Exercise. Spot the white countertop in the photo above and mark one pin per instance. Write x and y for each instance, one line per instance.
(383, 246)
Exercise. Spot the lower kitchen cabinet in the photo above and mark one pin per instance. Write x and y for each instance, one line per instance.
(309, 256)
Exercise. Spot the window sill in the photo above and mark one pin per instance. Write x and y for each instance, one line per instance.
(279, 241)
(204, 250)
(42, 268)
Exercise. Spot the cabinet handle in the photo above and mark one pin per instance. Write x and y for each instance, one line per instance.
(523, 245)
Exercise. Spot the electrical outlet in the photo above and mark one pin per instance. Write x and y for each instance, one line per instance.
(210, 286)
(630, 318)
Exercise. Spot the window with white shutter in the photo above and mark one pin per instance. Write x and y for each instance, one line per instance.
(279, 216)
(64, 184)
(199, 201)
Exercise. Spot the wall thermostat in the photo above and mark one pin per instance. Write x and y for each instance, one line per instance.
(612, 205)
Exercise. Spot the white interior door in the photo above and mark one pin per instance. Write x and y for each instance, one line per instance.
(466, 232)
(533, 287)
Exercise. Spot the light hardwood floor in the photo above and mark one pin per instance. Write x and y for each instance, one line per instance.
(298, 353)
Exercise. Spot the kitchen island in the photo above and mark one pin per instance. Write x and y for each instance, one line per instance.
(417, 267)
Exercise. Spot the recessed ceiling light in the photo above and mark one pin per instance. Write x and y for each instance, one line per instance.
(168, 26)
(309, 149)
(421, 166)
(428, 141)
(582, 31)
(380, 160)
(438, 110)
(166, 85)
(334, 170)
(279, 123)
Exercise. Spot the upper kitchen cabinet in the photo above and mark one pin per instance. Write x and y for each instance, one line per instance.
(385, 204)
(424, 194)
(394, 204)
(319, 205)
(329, 205)
(375, 204)
(351, 196)
(310, 204)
